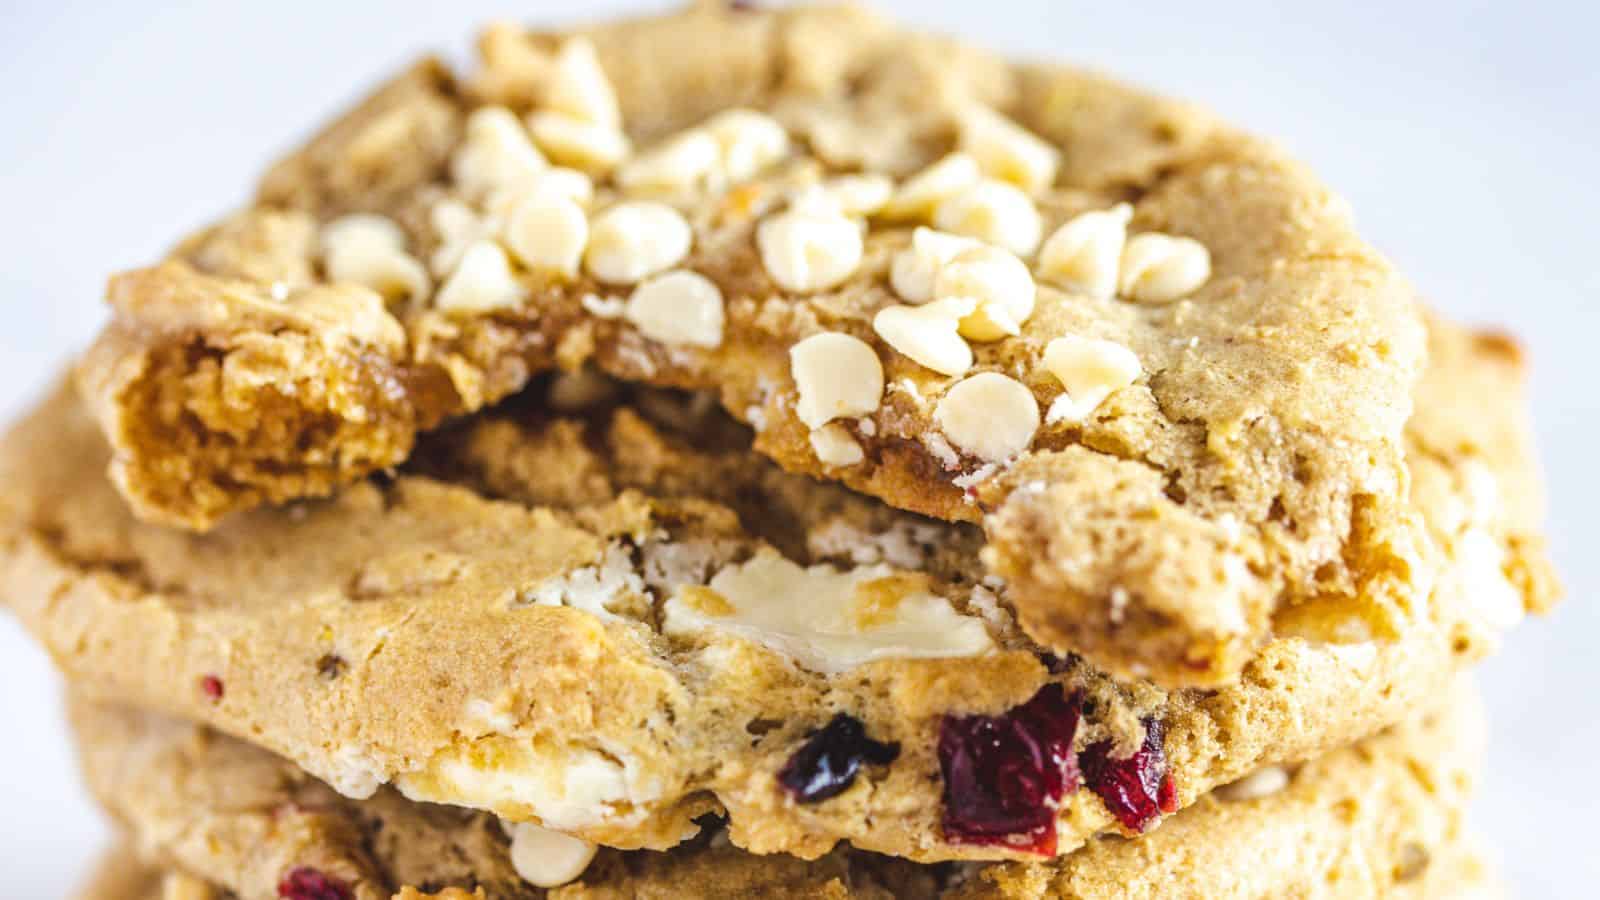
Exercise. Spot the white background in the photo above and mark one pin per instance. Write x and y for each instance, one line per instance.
(1465, 135)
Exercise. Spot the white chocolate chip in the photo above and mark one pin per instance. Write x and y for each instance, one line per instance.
(495, 155)
(1160, 268)
(989, 415)
(804, 252)
(1085, 254)
(749, 142)
(856, 196)
(1090, 370)
(1263, 782)
(579, 88)
(679, 307)
(546, 858)
(571, 141)
(370, 250)
(834, 445)
(685, 163)
(999, 286)
(458, 228)
(835, 376)
(923, 192)
(1007, 151)
(993, 211)
(914, 270)
(547, 232)
(632, 241)
(482, 281)
(928, 333)
(556, 181)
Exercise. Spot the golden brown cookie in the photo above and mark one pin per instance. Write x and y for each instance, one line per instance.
(616, 620)
(1382, 818)
(1155, 361)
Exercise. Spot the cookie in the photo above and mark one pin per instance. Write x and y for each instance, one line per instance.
(1149, 355)
(1381, 818)
(618, 620)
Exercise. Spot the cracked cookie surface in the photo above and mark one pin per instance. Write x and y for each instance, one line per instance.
(1382, 818)
(548, 616)
(1158, 516)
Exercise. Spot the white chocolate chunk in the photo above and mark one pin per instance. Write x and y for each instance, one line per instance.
(988, 415)
(835, 446)
(923, 192)
(826, 620)
(685, 163)
(495, 154)
(1160, 268)
(632, 241)
(835, 376)
(995, 212)
(749, 142)
(999, 286)
(1263, 782)
(1007, 151)
(546, 858)
(678, 307)
(578, 86)
(914, 270)
(928, 333)
(547, 231)
(1085, 254)
(482, 281)
(804, 252)
(595, 149)
(370, 250)
(1090, 370)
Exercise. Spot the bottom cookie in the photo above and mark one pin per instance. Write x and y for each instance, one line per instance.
(1380, 818)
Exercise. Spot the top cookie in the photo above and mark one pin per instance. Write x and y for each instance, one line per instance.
(1147, 353)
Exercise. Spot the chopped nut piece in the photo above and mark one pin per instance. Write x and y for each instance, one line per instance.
(1160, 268)
(482, 281)
(685, 163)
(547, 231)
(496, 154)
(804, 252)
(989, 415)
(927, 333)
(914, 270)
(578, 86)
(595, 149)
(632, 241)
(678, 307)
(835, 446)
(1090, 370)
(993, 211)
(1085, 254)
(1007, 151)
(999, 286)
(370, 250)
(923, 192)
(546, 858)
(835, 375)
(580, 390)
(749, 142)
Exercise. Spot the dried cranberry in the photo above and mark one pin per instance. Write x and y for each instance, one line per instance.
(211, 685)
(1138, 789)
(1004, 776)
(306, 883)
(827, 763)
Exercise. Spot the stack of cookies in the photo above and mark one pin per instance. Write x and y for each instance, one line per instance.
(770, 453)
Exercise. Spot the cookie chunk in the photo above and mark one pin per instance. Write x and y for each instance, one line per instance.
(1147, 354)
(615, 620)
(1381, 818)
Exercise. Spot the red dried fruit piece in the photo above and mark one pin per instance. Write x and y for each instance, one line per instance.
(306, 883)
(827, 764)
(1004, 776)
(212, 686)
(1138, 789)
